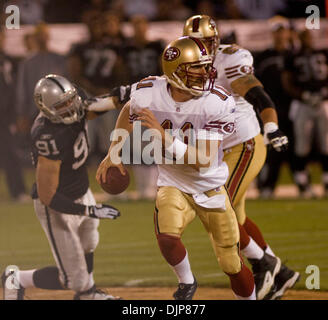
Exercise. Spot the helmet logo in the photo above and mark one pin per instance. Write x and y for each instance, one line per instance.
(171, 54)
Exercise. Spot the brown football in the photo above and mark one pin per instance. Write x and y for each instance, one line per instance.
(115, 182)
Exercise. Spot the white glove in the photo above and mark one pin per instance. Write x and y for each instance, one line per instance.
(102, 211)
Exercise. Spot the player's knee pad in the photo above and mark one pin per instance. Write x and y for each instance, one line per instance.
(47, 278)
(229, 259)
(172, 248)
(90, 243)
(89, 235)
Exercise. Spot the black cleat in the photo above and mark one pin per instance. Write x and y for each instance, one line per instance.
(264, 272)
(284, 280)
(185, 291)
(12, 290)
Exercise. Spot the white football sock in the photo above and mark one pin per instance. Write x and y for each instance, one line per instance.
(253, 250)
(25, 278)
(91, 282)
(183, 271)
(251, 297)
(269, 251)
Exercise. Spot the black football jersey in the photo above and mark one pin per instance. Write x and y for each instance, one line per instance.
(101, 63)
(269, 66)
(309, 69)
(68, 143)
(143, 61)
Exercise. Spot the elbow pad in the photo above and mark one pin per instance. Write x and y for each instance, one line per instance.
(259, 99)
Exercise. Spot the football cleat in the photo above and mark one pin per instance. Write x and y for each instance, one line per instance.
(185, 291)
(94, 294)
(264, 272)
(12, 290)
(284, 280)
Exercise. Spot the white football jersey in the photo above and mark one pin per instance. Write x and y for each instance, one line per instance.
(211, 116)
(233, 62)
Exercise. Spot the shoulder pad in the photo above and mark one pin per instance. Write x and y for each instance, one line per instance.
(231, 49)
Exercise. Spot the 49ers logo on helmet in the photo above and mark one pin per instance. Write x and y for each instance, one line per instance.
(171, 54)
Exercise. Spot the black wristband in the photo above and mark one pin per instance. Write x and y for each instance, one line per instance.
(259, 99)
(63, 204)
(122, 93)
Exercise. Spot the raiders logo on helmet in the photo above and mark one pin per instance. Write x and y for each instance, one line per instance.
(171, 54)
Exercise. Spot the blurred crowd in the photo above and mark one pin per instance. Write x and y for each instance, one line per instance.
(109, 59)
(62, 11)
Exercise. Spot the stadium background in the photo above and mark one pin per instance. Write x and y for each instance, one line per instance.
(127, 255)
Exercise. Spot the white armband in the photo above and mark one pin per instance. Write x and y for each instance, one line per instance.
(177, 149)
(102, 105)
(270, 127)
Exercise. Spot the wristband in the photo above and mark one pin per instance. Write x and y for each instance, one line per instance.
(177, 149)
(270, 127)
(101, 104)
(64, 204)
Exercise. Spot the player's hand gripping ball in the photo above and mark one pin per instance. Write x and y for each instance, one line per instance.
(116, 182)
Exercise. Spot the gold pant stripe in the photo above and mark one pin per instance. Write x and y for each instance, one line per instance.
(241, 168)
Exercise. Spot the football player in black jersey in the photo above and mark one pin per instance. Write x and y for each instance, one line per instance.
(63, 202)
(269, 65)
(305, 79)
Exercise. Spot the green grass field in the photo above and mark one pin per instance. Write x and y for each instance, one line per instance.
(127, 254)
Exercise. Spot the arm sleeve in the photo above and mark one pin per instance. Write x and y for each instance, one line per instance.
(63, 204)
(259, 99)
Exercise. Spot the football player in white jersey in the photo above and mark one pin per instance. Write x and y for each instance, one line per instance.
(184, 98)
(245, 151)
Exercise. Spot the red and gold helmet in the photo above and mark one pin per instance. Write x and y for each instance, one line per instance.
(203, 27)
(179, 56)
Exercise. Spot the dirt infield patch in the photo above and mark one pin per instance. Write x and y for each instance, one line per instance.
(165, 293)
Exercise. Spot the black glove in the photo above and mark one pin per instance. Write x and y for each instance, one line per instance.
(278, 140)
(102, 211)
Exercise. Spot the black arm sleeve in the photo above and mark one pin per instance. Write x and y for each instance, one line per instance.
(63, 204)
(259, 99)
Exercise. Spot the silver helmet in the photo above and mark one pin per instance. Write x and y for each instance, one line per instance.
(58, 99)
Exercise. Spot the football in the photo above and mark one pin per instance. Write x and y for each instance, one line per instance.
(115, 182)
